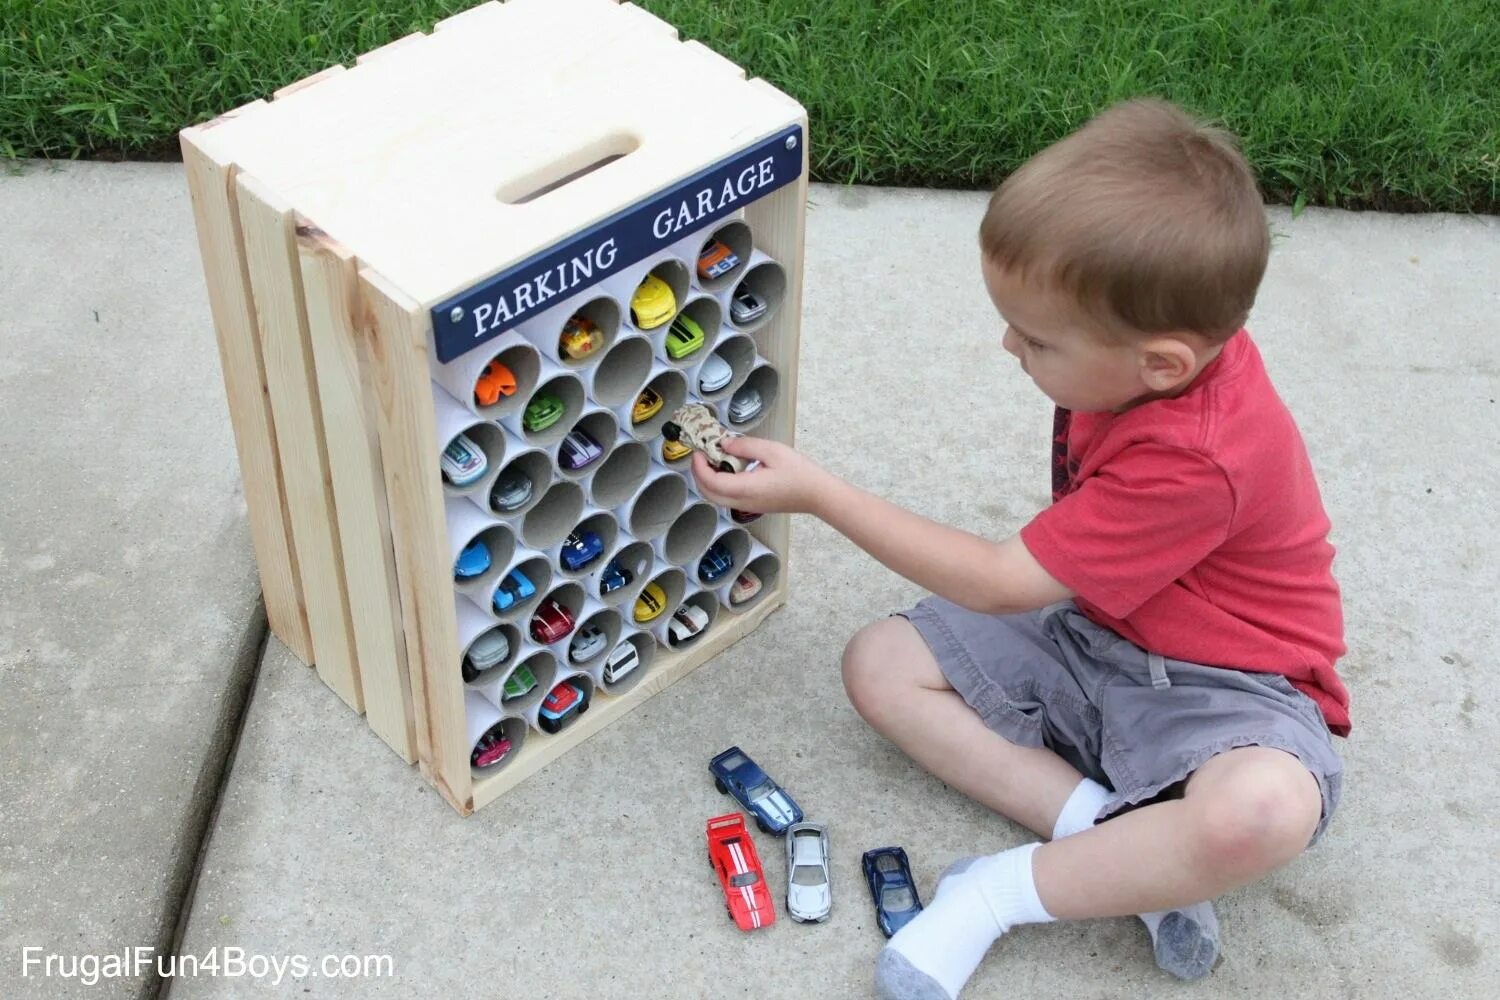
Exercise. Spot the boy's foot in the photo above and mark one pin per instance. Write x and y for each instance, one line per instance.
(1185, 940)
(977, 900)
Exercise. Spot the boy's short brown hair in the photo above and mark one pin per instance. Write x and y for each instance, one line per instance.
(1148, 217)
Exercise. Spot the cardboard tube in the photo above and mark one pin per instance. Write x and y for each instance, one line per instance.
(767, 279)
(764, 379)
(617, 379)
(458, 376)
(763, 563)
(655, 505)
(607, 620)
(601, 523)
(563, 385)
(548, 522)
(545, 329)
(684, 542)
(734, 538)
(673, 583)
(599, 424)
(635, 557)
(733, 233)
(672, 386)
(619, 475)
(466, 523)
(645, 651)
(705, 311)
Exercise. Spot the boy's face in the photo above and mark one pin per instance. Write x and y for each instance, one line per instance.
(1071, 360)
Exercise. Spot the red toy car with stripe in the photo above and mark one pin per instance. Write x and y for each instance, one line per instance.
(731, 852)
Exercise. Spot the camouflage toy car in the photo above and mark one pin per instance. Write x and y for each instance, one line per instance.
(695, 426)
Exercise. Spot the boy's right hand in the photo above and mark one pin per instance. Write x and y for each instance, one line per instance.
(785, 481)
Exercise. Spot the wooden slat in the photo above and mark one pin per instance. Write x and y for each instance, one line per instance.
(281, 323)
(669, 668)
(779, 224)
(210, 184)
(389, 47)
(307, 81)
(330, 284)
(414, 498)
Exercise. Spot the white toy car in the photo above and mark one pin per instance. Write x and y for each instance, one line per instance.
(688, 621)
(487, 651)
(587, 643)
(463, 461)
(622, 660)
(809, 892)
(715, 374)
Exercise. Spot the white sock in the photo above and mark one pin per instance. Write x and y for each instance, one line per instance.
(1081, 809)
(1190, 944)
(975, 903)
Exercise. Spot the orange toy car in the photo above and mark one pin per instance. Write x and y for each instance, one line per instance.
(495, 381)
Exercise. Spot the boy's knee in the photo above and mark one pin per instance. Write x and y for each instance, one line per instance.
(1260, 820)
(868, 677)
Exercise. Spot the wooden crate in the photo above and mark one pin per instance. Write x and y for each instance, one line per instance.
(363, 235)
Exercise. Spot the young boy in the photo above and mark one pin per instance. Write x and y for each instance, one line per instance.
(1156, 647)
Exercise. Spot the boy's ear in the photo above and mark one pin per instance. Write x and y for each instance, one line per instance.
(1166, 363)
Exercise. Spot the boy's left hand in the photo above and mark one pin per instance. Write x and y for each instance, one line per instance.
(785, 481)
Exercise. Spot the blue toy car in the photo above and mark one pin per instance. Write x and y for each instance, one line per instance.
(736, 774)
(614, 577)
(891, 887)
(580, 549)
(514, 589)
(472, 561)
(715, 562)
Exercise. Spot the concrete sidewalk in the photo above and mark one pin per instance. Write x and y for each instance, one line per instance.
(129, 602)
(590, 879)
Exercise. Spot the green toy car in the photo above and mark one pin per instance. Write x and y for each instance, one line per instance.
(684, 337)
(542, 412)
(520, 681)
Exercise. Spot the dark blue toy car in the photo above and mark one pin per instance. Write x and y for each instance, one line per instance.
(736, 774)
(715, 562)
(891, 887)
(472, 561)
(514, 589)
(580, 549)
(614, 577)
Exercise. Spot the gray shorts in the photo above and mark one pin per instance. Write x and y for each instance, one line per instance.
(1133, 721)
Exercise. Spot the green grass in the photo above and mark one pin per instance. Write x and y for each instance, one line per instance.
(1362, 103)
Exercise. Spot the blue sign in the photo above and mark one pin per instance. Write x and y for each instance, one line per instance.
(466, 320)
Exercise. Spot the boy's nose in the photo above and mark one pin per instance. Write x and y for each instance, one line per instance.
(1010, 342)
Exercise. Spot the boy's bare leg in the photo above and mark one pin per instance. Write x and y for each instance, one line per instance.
(896, 685)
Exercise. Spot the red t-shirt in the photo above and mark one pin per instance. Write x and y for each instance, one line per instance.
(1193, 527)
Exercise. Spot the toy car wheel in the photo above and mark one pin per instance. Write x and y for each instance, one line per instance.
(671, 431)
(762, 824)
(583, 708)
(725, 467)
(719, 784)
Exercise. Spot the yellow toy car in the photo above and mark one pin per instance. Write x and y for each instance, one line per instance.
(651, 603)
(647, 405)
(580, 338)
(653, 303)
(675, 451)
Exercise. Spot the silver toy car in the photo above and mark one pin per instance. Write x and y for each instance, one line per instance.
(745, 406)
(745, 306)
(588, 643)
(489, 650)
(512, 491)
(715, 374)
(809, 892)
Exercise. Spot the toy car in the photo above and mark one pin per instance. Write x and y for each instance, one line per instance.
(578, 450)
(716, 260)
(688, 621)
(614, 577)
(674, 451)
(745, 405)
(809, 893)
(743, 516)
(892, 888)
(579, 549)
(647, 405)
(731, 854)
(745, 306)
(622, 660)
(685, 337)
(551, 622)
(562, 705)
(490, 750)
(485, 652)
(653, 303)
(495, 381)
(580, 338)
(514, 589)
(463, 461)
(746, 586)
(587, 644)
(715, 374)
(542, 412)
(695, 426)
(736, 774)
(518, 684)
(651, 603)
(715, 562)
(472, 561)
(511, 491)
